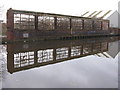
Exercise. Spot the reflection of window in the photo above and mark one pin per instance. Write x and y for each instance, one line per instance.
(63, 23)
(77, 24)
(105, 25)
(97, 25)
(45, 55)
(75, 51)
(61, 53)
(87, 49)
(104, 46)
(24, 21)
(23, 59)
(88, 24)
(45, 22)
(96, 47)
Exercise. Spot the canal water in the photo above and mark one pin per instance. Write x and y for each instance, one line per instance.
(83, 63)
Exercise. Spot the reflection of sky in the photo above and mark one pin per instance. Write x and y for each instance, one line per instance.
(90, 72)
(86, 72)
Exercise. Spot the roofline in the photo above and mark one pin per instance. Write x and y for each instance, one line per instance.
(33, 12)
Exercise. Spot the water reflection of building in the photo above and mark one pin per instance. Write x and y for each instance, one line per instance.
(24, 56)
(113, 50)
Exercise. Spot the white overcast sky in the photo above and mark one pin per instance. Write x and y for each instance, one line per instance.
(69, 7)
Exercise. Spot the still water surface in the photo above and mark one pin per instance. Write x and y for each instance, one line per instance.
(85, 63)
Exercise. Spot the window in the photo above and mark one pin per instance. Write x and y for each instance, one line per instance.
(45, 22)
(77, 24)
(61, 53)
(45, 55)
(24, 21)
(23, 59)
(75, 51)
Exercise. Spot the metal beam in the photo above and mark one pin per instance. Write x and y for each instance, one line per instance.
(92, 14)
(96, 14)
(84, 13)
(105, 14)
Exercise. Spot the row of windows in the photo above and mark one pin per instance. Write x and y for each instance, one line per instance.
(27, 58)
(47, 22)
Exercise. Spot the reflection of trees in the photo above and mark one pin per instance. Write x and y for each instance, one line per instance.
(3, 62)
(23, 21)
(4, 29)
(45, 22)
